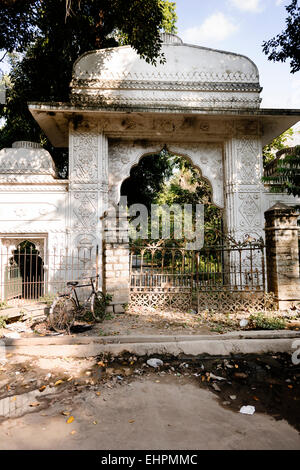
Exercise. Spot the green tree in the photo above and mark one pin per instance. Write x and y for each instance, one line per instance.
(287, 44)
(147, 179)
(50, 38)
(286, 177)
(279, 143)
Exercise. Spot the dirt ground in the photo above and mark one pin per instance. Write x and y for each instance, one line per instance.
(145, 322)
(123, 403)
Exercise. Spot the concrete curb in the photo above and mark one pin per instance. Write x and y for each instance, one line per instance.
(259, 342)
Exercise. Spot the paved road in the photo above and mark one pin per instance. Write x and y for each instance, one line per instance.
(155, 412)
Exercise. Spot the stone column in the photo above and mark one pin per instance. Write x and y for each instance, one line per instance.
(282, 254)
(88, 191)
(116, 278)
(243, 193)
(243, 187)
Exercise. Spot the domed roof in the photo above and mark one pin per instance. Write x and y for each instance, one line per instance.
(191, 76)
(26, 159)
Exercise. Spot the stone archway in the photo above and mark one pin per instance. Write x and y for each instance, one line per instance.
(22, 267)
(206, 157)
(27, 259)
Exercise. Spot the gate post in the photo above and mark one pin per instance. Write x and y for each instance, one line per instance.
(116, 278)
(282, 254)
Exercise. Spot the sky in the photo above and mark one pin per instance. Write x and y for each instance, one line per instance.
(241, 26)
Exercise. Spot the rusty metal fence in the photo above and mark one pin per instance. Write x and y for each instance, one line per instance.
(27, 274)
(219, 277)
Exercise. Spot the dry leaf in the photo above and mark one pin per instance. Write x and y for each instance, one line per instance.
(73, 432)
(41, 389)
(101, 364)
(66, 413)
(13, 398)
(58, 383)
(131, 421)
(98, 394)
(290, 386)
(255, 398)
(70, 420)
(95, 422)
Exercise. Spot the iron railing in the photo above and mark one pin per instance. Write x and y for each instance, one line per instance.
(166, 266)
(29, 274)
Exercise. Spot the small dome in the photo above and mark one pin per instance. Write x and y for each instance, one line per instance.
(26, 158)
(191, 77)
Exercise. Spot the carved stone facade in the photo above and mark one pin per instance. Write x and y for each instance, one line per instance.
(202, 104)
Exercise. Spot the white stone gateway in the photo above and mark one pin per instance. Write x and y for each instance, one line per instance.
(203, 104)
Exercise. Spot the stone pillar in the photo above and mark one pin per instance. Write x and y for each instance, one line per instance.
(282, 254)
(243, 187)
(243, 194)
(88, 191)
(116, 278)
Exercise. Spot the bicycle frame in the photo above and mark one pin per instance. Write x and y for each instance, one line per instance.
(74, 293)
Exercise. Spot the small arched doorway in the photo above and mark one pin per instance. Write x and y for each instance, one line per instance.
(27, 266)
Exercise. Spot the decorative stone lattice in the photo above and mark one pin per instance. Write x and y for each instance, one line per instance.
(180, 301)
(227, 301)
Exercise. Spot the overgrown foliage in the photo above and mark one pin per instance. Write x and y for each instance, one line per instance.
(260, 321)
(286, 177)
(279, 143)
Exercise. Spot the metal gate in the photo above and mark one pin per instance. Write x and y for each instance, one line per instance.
(227, 276)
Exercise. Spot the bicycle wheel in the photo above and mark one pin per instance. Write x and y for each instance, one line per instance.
(98, 306)
(62, 314)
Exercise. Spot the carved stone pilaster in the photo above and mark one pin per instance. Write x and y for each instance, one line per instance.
(88, 185)
(243, 188)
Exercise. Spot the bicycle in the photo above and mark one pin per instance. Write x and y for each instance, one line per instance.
(66, 307)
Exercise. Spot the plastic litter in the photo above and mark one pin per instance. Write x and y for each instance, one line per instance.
(155, 363)
(247, 410)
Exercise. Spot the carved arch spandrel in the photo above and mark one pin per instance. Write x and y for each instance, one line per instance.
(207, 158)
(11, 244)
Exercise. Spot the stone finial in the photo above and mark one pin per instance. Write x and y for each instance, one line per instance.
(26, 144)
(168, 38)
